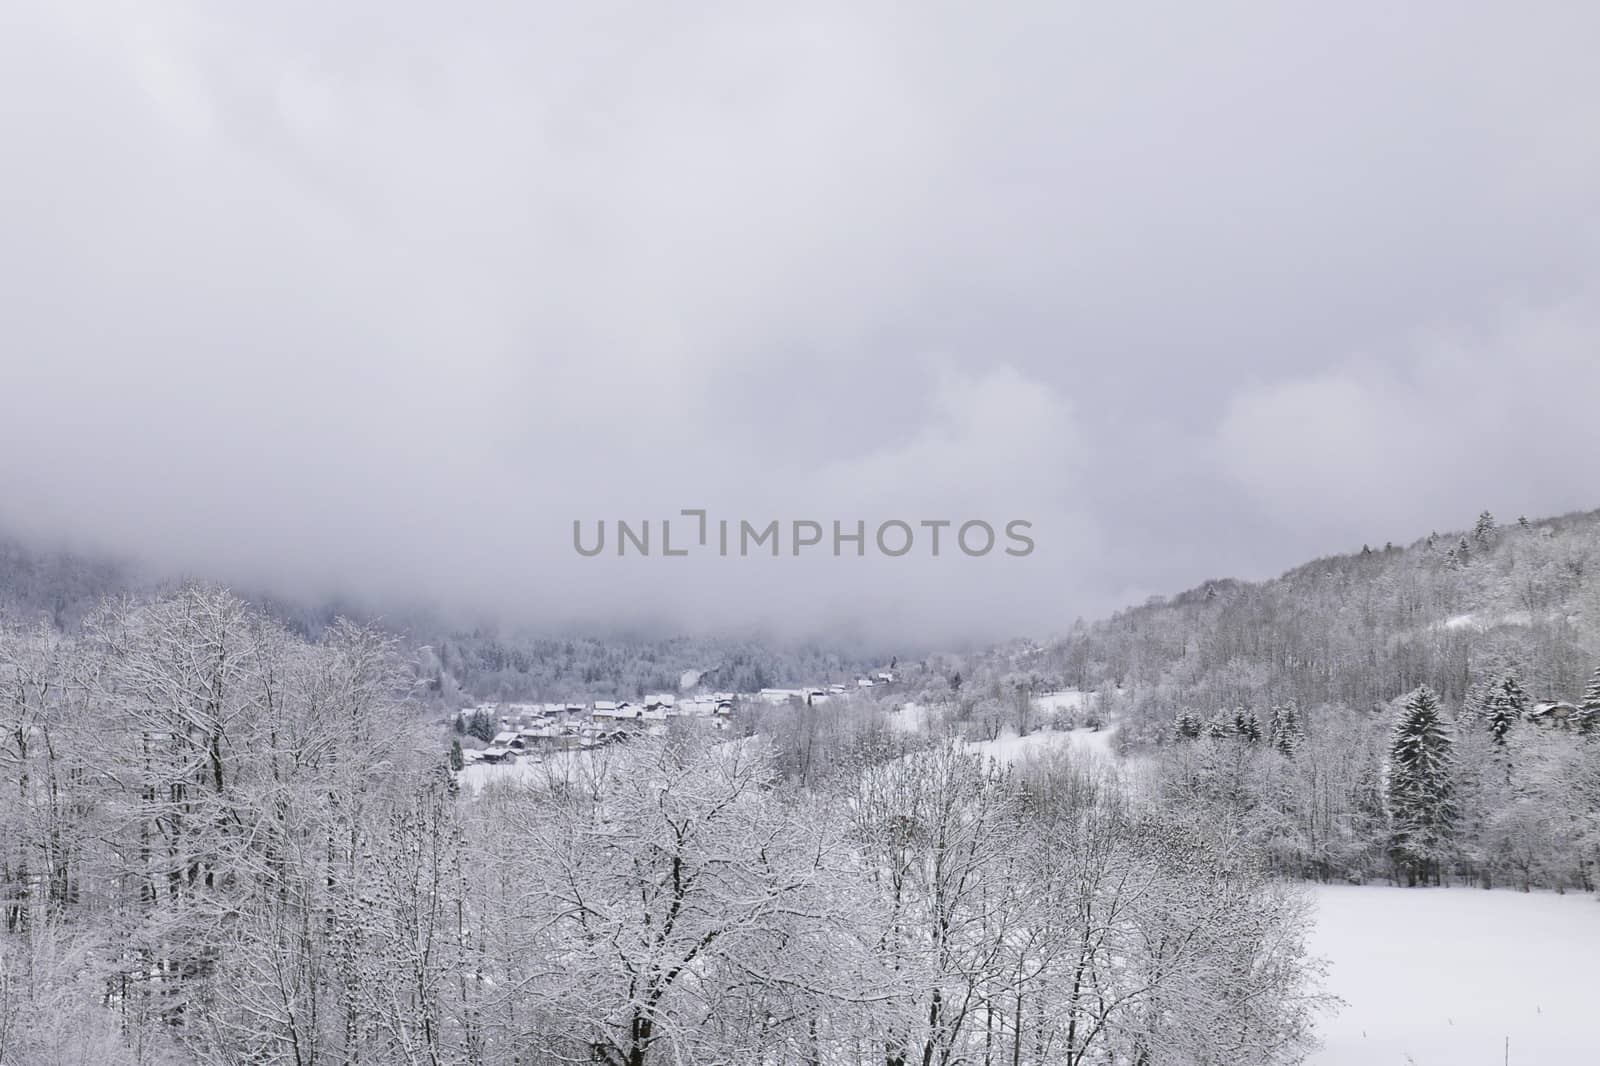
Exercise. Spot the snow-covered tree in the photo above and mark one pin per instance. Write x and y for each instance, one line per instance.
(1506, 705)
(1247, 725)
(1287, 732)
(1589, 710)
(1420, 787)
(1483, 531)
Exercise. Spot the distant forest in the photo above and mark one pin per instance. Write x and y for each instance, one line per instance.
(458, 663)
(1423, 713)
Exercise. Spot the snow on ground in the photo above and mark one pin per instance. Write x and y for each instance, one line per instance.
(1066, 700)
(1473, 621)
(909, 718)
(536, 771)
(1440, 977)
(1009, 748)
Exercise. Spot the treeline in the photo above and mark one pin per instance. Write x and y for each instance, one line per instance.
(456, 663)
(512, 665)
(222, 844)
(1356, 630)
(1417, 792)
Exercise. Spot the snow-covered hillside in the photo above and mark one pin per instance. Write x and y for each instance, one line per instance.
(1442, 977)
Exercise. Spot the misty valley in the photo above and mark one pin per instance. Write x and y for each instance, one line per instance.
(824, 534)
(233, 836)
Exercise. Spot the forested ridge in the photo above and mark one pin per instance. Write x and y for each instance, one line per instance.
(1357, 629)
(1420, 714)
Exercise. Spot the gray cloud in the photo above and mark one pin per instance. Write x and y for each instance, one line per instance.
(380, 301)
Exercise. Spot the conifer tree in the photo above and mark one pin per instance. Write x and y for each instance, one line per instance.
(1217, 727)
(1506, 705)
(457, 759)
(1286, 730)
(1419, 788)
(1188, 725)
(1247, 725)
(1589, 709)
(1483, 532)
(481, 726)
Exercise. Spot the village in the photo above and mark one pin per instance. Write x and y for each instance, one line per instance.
(533, 729)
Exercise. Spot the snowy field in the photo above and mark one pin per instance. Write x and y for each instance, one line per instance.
(1441, 977)
(1009, 748)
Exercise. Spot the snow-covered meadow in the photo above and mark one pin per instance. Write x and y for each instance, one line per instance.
(1442, 977)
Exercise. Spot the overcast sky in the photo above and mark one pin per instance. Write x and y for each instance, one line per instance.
(378, 298)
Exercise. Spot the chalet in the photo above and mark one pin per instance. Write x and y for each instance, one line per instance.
(496, 754)
(605, 711)
(1553, 712)
(538, 737)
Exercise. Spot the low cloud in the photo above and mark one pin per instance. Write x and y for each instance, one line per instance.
(377, 303)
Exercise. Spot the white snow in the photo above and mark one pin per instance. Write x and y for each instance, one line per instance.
(909, 718)
(1441, 977)
(1473, 621)
(1065, 700)
(1008, 747)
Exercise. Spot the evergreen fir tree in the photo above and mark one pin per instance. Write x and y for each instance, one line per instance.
(1589, 710)
(481, 726)
(1286, 730)
(1247, 725)
(1188, 725)
(1483, 532)
(1506, 705)
(1419, 788)
(1217, 727)
(457, 759)
(1475, 705)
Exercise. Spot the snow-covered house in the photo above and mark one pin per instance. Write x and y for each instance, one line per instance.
(1552, 712)
(616, 712)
